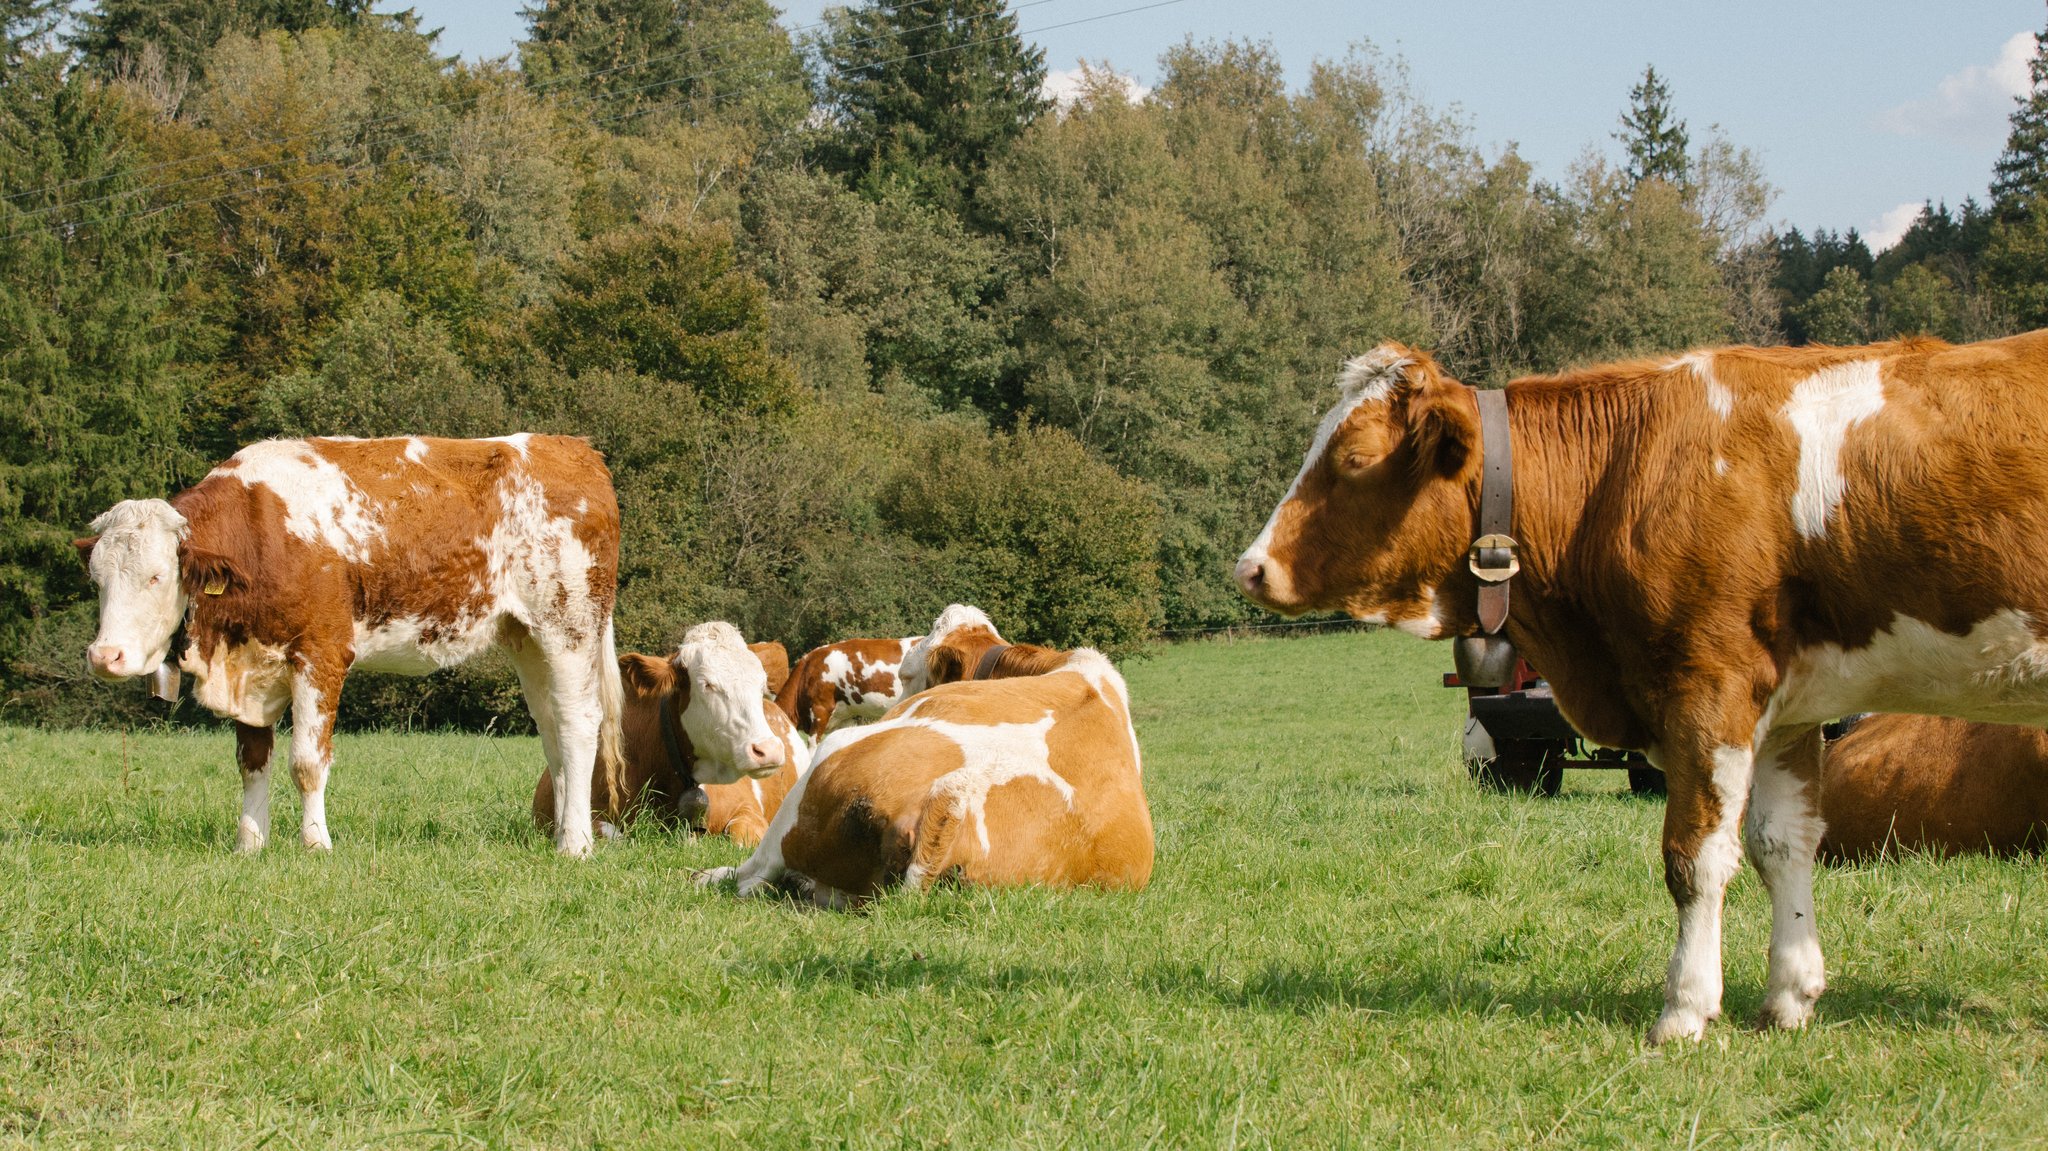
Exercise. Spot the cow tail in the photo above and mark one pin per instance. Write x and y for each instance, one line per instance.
(611, 695)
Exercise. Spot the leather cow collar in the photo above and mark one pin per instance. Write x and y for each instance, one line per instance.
(1492, 554)
(987, 666)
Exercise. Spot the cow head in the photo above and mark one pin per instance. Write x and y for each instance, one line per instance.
(950, 651)
(1381, 510)
(726, 717)
(135, 559)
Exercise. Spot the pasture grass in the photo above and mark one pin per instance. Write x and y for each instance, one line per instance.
(1345, 945)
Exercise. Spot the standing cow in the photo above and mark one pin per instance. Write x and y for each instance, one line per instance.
(1709, 556)
(297, 560)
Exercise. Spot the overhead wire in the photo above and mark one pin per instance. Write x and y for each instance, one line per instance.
(395, 140)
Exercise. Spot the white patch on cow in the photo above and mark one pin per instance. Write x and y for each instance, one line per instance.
(1370, 378)
(1692, 985)
(1374, 375)
(1720, 466)
(135, 565)
(321, 503)
(249, 682)
(995, 754)
(517, 440)
(1428, 625)
(1823, 407)
(727, 716)
(1783, 832)
(1102, 675)
(310, 721)
(409, 645)
(416, 449)
(252, 830)
(1997, 673)
(913, 675)
(1701, 364)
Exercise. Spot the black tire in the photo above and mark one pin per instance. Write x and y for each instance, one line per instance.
(1645, 781)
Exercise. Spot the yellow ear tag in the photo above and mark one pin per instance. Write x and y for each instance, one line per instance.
(216, 585)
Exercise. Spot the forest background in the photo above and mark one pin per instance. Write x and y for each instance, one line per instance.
(863, 322)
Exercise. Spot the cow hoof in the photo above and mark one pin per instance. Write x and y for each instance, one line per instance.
(1787, 1010)
(606, 830)
(316, 839)
(1676, 1024)
(715, 876)
(573, 847)
(249, 839)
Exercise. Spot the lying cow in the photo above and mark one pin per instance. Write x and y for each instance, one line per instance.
(851, 681)
(1932, 783)
(1709, 557)
(964, 645)
(712, 695)
(296, 561)
(1027, 780)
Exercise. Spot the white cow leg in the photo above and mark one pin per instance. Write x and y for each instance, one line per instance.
(1783, 832)
(535, 685)
(763, 869)
(252, 753)
(578, 713)
(312, 754)
(1702, 851)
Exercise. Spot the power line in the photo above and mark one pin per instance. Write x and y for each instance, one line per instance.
(448, 153)
(393, 141)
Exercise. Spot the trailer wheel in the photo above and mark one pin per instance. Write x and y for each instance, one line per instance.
(1517, 766)
(1645, 781)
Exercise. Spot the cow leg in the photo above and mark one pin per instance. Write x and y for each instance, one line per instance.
(252, 752)
(765, 867)
(534, 684)
(578, 713)
(1783, 835)
(315, 699)
(1707, 789)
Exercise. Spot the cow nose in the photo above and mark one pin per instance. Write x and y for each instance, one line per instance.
(765, 753)
(103, 658)
(1251, 574)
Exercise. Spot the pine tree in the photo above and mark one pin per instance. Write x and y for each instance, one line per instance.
(2021, 172)
(928, 93)
(112, 32)
(1655, 139)
(645, 62)
(23, 25)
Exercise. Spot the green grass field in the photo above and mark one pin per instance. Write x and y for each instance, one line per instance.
(1345, 944)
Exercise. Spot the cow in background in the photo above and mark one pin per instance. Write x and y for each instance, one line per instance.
(964, 644)
(1033, 777)
(851, 681)
(701, 696)
(1711, 556)
(1932, 783)
(296, 561)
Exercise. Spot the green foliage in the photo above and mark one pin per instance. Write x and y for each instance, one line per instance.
(2020, 174)
(1653, 137)
(112, 33)
(668, 302)
(382, 370)
(1840, 312)
(926, 94)
(642, 64)
(89, 399)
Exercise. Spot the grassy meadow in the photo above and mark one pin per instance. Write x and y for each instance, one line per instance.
(1345, 944)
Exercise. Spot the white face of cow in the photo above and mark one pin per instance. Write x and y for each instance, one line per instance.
(134, 560)
(916, 672)
(727, 716)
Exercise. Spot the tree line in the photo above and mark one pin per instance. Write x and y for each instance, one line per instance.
(862, 320)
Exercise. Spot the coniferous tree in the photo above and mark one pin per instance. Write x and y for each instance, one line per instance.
(927, 93)
(113, 31)
(2021, 171)
(640, 63)
(1655, 139)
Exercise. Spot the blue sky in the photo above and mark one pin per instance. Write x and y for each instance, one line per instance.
(1859, 111)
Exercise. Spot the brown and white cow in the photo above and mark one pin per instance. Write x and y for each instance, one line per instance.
(1033, 779)
(1718, 553)
(297, 560)
(851, 681)
(703, 695)
(1934, 783)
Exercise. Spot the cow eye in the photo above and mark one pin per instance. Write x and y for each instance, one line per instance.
(1355, 463)
(155, 580)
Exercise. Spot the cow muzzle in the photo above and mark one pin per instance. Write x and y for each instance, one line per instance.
(764, 757)
(110, 661)
(1264, 582)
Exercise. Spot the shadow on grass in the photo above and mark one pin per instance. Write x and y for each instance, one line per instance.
(1298, 990)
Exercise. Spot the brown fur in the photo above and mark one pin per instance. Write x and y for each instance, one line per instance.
(810, 699)
(869, 811)
(774, 660)
(1932, 783)
(649, 785)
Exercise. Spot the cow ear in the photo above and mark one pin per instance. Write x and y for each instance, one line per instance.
(209, 573)
(645, 674)
(85, 546)
(1443, 423)
(944, 666)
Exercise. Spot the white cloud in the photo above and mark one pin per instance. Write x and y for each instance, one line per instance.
(1891, 226)
(1973, 102)
(1065, 86)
